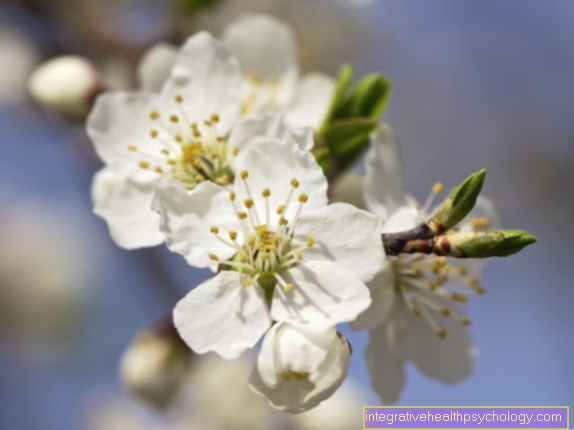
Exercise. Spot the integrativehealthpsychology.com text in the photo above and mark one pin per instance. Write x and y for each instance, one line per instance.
(466, 417)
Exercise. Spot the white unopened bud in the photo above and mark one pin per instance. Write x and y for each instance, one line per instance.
(66, 85)
(154, 366)
(297, 369)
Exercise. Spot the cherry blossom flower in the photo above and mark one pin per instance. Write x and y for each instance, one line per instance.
(298, 369)
(281, 252)
(415, 315)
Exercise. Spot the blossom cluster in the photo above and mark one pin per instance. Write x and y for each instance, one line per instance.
(226, 155)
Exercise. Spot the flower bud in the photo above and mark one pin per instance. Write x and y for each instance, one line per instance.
(482, 244)
(296, 369)
(154, 366)
(459, 204)
(67, 85)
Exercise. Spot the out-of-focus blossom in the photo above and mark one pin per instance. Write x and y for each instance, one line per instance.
(117, 413)
(415, 315)
(297, 369)
(267, 52)
(19, 56)
(154, 365)
(43, 278)
(341, 411)
(348, 188)
(282, 246)
(66, 85)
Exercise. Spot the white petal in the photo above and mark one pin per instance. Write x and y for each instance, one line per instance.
(314, 97)
(323, 296)
(386, 365)
(273, 165)
(405, 218)
(383, 185)
(263, 45)
(155, 66)
(221, 315)
(208, 78)
(345, 235)
(266, 363)
(382, 289)
(448, 359)
(126, 207)
(249, 131)
(186, 221)
(120, 120)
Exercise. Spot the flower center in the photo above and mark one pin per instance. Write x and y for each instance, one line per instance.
(422, 282)
(260, 94)
(187, 151)
(266, 251)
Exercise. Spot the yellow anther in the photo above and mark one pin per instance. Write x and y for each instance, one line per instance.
(458, 297)
(242, 215)
(441, 333)
(433, 285)
(171, 162)
(480, 291)
(178, 138)
(178, 98)
(283, 221)
(461, 270)
(310, 242)
(215, 117)
(265, 256)
(466, 321)
(213, 257)
(154, 115)
(164, 152)
(224, 180)
(288, 287)
(233, 235)
(286, 376)
(200, 178)
(445, 312)
(441, 261)
(214, 230)
(144, 164)
(132, 148)
(416, 311)
(299, 255)
(303, 198)
(244, 174)
(153, 133)
(437, 188)
(194, 125)
(174, 118)
(266, 192)
(232, 196)
(480, 222)
(280, 209)
(247, 283)
(207, 123)
(159, 169)
(294, 183)
(251, 241)
(235, 151)
(297, 376)
(473, 281)
(248, 203)
(416, 272)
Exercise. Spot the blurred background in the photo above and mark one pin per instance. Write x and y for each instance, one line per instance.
(476, 84)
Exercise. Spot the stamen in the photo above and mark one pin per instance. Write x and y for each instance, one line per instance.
(132, 148)
(286, 376)
(310, 242)
(154, 115)
(479, 222)
(213, 257)
(144, 164)
(247, 283)
(178, 98)
(466, 321)
(214, 230)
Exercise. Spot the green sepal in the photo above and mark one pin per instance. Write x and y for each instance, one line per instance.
(348, 135)
(515, 241)
(484, 244)
(323, 156)
(192, 6)
(342, 85)
(371, 96)
(459, 204)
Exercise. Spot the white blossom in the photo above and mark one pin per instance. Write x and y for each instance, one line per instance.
(285, 247)
(298, 369)
(66, 85)
(415, 314)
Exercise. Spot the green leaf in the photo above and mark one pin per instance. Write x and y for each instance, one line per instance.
(514, 241)
(371, 96)
(342, 85)
(323, 157)
(348, 135)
